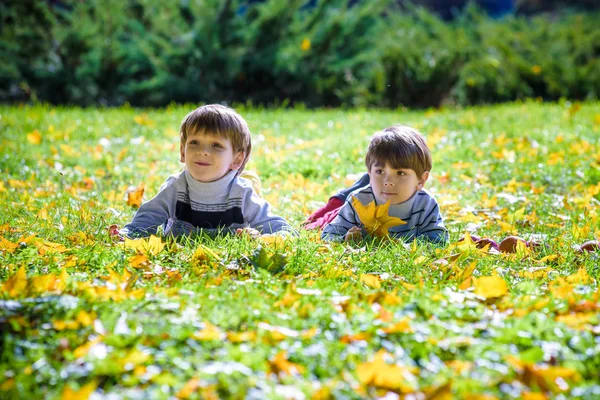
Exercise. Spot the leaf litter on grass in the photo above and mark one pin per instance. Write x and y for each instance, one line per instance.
(82, 316)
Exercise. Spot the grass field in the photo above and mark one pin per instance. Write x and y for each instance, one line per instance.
(84, 317)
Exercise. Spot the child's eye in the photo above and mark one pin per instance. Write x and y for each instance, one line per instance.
(379, 171)
(193, 143)
(401, 173)
(217, 145)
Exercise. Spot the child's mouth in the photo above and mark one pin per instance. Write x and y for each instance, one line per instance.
(202, 164)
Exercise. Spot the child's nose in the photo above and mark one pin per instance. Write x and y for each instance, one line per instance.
(388, 182)
(204, 150)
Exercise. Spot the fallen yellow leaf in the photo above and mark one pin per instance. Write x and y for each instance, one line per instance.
(16, 284)
(188, 389)
(7, 246)
(380, 374)
(34, 137)
(49, 247)
(83, 393)
(402, 326)
(135, 195)
(372, 281)
(490, 286)
(580, 277)
(153, 245)
(82, 350)
(202, 255)
(280, 364)
(238, 337)
(210, 332)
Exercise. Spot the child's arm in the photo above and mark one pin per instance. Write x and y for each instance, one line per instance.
(432, 226)
(152, 213)
(257, 213)
(342, 224)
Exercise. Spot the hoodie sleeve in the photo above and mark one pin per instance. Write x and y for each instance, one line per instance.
(432, 226)
(153, 213)
(346, 219)
(258, 215)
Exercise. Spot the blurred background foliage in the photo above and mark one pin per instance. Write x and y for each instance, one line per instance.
(384, 53)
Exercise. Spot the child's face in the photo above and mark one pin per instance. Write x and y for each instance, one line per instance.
(395, 185)
(209, 157)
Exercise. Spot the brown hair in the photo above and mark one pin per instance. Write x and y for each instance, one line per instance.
(399, 147)
(222, 121)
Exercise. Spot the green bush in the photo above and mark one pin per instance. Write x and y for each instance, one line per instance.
(372, 53)
(536, 57)
(421, 57)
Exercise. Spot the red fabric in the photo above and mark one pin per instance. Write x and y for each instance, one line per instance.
(324, 215)
(332, 204)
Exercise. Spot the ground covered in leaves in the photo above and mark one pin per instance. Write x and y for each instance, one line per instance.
(84, 317)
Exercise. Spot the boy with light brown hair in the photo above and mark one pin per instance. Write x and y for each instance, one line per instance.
(209, 194)
(398, 163)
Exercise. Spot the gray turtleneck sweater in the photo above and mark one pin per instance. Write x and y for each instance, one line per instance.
(184, 205)
(421, 214)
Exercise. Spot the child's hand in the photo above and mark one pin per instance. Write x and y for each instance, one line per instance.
(248, 232)
(113, 232)
(353, 235)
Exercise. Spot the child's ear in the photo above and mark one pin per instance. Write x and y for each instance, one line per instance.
(422, 180)
(238, 160)
(181, 153)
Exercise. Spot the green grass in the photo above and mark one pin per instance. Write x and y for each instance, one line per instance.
(94, 315)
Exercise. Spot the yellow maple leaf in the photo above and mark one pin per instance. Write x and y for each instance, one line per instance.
(143, 120)
(490, 286)
(49, 247)
(309, 333)
(507, 227)
(153, 245)
(467, 245)
(402, 326)
(273, 240)
(16, 284)
(238, 337)
(85, 319)
(372, 281)
(83, 393)
(135, 195)
(380, 374)
(576, 320)
(133, 358)
(376, 219)
(480, 396)
(82, 350)
(580, 277)
(210, 332)
(189, 388)
(43, 214)
(138, 260)
(290, 298)
(280, 364)
(7, 246)
(35, 137)
(42, 283)
(459, 366)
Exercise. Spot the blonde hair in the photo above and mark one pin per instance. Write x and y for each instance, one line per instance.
(222, 121)
(400, 147)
